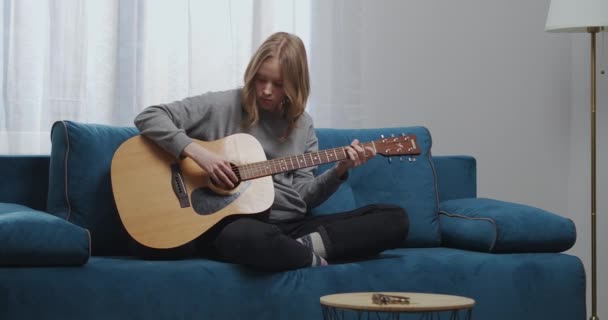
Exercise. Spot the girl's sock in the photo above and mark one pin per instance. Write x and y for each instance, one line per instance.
(315, 243)
(317, 260)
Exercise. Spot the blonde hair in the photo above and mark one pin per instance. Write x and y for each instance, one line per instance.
(289, 50)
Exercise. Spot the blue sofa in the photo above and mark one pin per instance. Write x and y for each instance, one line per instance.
(64, 253)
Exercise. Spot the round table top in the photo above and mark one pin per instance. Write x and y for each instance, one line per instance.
(419, 302)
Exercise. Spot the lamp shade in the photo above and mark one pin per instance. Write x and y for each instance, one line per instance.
(576, 15)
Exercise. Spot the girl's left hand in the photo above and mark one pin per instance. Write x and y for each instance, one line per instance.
(357, 155)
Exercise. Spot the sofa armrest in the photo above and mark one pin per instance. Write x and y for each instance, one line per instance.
(456, 177)
(34, 238)
(24, 180)
(489, 225)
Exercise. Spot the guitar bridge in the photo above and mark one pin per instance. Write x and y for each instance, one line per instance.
(179, 188)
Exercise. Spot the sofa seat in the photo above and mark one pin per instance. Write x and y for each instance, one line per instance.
(127, 288)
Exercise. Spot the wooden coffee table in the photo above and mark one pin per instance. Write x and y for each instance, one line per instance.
(431, 306)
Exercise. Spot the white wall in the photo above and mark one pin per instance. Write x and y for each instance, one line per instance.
(484, 85)
(487, 81)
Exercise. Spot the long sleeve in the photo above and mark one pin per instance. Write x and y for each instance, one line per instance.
(209, 116)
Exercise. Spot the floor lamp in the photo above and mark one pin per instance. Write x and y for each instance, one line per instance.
(584, 16)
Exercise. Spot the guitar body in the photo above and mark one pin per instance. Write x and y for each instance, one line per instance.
(164, 202)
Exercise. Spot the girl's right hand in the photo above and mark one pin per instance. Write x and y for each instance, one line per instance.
(219, 169)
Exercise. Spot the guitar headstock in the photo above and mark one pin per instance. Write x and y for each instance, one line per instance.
(404, 145)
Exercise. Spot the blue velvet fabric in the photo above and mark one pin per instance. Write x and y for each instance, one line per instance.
(505, 287)
(456, 177)
(12, 207)
(80, 188)
(24, 180)
(491, 225)
(34, 238)
(408, 184)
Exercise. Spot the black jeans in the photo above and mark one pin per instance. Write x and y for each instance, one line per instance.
(255, 242)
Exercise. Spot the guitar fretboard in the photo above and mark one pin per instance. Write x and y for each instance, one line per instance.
(270, 167)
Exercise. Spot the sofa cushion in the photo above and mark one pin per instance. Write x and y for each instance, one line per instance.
(34, 238)
(408, 184)
(12, 207)
(490, 225)
(456, 177)
(505, 287)
(79, 181)
(24, 180)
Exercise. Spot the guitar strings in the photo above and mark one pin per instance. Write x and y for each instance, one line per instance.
(268, 167)
(280, 161)
(294, 162)
(263, 168)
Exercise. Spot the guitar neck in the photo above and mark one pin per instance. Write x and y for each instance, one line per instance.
(271, 167)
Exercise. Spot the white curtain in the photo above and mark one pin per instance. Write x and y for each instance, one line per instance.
(102, 61)
(336, 64)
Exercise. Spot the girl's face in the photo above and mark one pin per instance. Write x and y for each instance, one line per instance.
(269, 90)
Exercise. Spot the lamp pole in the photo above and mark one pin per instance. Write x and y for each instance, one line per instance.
(593, 32)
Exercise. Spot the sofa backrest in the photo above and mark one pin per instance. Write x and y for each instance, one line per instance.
(23, 180)
(408, 182)
(80, 189)
(80, 186)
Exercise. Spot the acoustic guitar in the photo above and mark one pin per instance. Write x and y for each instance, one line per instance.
(164, 203)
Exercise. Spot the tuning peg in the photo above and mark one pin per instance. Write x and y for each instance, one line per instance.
(390, 160)
(411, 159)
(401, 159)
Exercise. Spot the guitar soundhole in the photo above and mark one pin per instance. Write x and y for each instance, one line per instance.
(223, 190)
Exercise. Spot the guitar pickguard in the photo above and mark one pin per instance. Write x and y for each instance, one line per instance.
(205, 201)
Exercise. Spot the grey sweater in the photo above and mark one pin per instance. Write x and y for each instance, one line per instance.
(215, 115)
